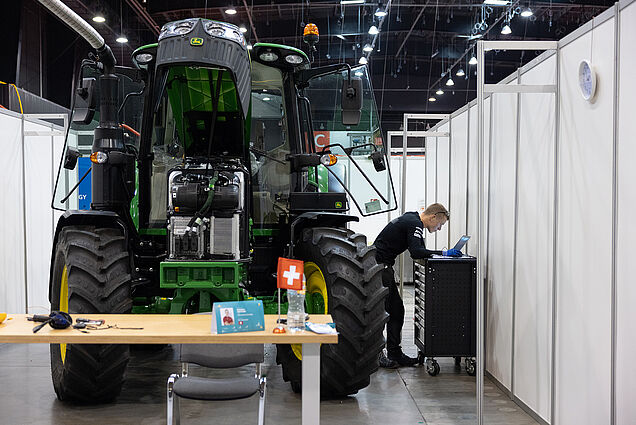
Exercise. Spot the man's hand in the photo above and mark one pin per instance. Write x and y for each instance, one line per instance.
(452, 253)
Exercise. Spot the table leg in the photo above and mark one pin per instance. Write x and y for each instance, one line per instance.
(311, 384)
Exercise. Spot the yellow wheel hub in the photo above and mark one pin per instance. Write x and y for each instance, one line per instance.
(63, 304)
(315, 284)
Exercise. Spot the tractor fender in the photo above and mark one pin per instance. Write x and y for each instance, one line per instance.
(317, 219)
(84, 217)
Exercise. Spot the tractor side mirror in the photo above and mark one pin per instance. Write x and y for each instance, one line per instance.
(70, 158)
(378, 161)
(351, 101)
(85, 101)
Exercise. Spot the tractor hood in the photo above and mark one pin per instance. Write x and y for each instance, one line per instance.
(208, 43)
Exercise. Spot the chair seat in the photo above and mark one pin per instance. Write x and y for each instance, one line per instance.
(198, 388)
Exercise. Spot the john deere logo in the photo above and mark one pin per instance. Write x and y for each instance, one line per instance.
(196, 41)
(338, 204)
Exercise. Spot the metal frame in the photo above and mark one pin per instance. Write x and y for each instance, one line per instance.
(405, 135)
(482, 88)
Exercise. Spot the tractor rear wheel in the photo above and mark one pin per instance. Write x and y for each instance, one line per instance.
(343, 279)
(91, 274)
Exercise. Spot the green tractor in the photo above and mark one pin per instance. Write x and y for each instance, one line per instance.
(184, 179)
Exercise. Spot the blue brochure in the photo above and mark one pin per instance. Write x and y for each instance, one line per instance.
(237, 316)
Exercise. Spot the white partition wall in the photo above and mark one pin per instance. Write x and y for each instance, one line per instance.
(532, 340)
(584, 229)
(458, 178)
(625, 370)
(431, 184)
(498, 297)
(442, 181)
(12, 271)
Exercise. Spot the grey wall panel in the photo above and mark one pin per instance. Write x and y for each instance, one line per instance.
(534, 244)
(431, 183)
(626, 266)
(499, 283)
(12, 275)
(443, 173)
(458, 174)
(584, 235)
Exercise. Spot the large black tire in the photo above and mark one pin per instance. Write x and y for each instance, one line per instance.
(356, 303)
(97, 268)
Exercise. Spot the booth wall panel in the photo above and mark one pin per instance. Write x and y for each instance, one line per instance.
(473, 193)
(534, 244)
(443, 174)
(625, 265)
(458, 175)
(12, 290)
(498, 296)
(431, 184)
(584, 261)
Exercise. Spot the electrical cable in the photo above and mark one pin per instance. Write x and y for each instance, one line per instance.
(17, 93)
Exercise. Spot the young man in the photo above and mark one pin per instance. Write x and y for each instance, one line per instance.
(405, 232)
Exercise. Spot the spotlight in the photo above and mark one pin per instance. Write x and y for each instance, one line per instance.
(439, 91)
(122, 39)
(472, 61)
(374, 30)
(380, 13)
(527, 12)
(99, 19)
(230, 10)
(506, 30)
(367, 48)
(460, 72)
(249, 46)
(243, 29)
(432, 99)
(450, 81)
(363, 60)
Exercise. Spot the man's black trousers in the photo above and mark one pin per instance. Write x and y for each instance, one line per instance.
(395, 307)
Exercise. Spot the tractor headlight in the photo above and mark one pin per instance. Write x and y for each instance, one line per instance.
(294, 59)
(268, 56)
(224, 30)
(99, 157)
(177, 28)
(144, 58)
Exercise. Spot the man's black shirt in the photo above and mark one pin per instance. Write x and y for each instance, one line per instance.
(401, 233)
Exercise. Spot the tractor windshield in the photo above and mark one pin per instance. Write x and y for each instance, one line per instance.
(187, 101)
(269, 144)
(376, 194)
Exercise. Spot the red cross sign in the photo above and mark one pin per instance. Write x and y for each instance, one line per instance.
(290, 274)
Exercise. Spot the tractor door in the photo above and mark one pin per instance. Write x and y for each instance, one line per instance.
(362, 169)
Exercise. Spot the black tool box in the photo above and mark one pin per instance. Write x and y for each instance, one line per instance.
(445, 311)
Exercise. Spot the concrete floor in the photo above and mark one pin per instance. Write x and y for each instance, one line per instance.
(396, 397)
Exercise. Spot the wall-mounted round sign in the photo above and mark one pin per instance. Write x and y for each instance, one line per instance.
(587, 80)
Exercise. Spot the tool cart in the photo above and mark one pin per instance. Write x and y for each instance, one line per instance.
(445, 311)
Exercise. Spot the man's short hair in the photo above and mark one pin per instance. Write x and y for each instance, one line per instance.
(435, 209)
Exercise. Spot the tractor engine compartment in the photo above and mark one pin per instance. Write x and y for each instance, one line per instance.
(206, 212)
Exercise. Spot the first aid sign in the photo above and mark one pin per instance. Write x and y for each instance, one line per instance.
(290, 274)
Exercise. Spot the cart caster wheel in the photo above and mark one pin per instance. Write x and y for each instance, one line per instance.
(471, 366)
(458, 362)
(420, 358)
(432, 367)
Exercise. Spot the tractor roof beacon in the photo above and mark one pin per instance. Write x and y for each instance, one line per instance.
(205, 165)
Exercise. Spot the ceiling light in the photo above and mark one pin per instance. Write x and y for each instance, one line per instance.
(367, 48)
(249, 46)
(230, 10)
(380, 13)
(243, 29)
(99, 19)
(527, 12)
(460, 72)
(439, 91)
(497, 2)
(432, 99)
(351, 1)
(374, 30)
(266, 99)
(122, 39)
(506, 30)
(472, 61)
(340, 36)
(363, 60)
(450, 81)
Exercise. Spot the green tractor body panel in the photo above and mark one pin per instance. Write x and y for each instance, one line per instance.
(202, 275)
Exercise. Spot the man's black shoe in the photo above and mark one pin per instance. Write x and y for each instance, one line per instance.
(386, 363)
(403, 360)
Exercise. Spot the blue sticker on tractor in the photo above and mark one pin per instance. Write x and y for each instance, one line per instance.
(84, 189)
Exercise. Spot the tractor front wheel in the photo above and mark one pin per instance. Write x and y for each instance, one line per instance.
(91, 274)
(344, 280)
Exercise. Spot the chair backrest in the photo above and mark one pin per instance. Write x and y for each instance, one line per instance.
(222, 355)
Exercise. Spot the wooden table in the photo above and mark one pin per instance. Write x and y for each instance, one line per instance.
(183, 329)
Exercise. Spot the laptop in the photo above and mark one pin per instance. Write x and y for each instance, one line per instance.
(461, 242)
